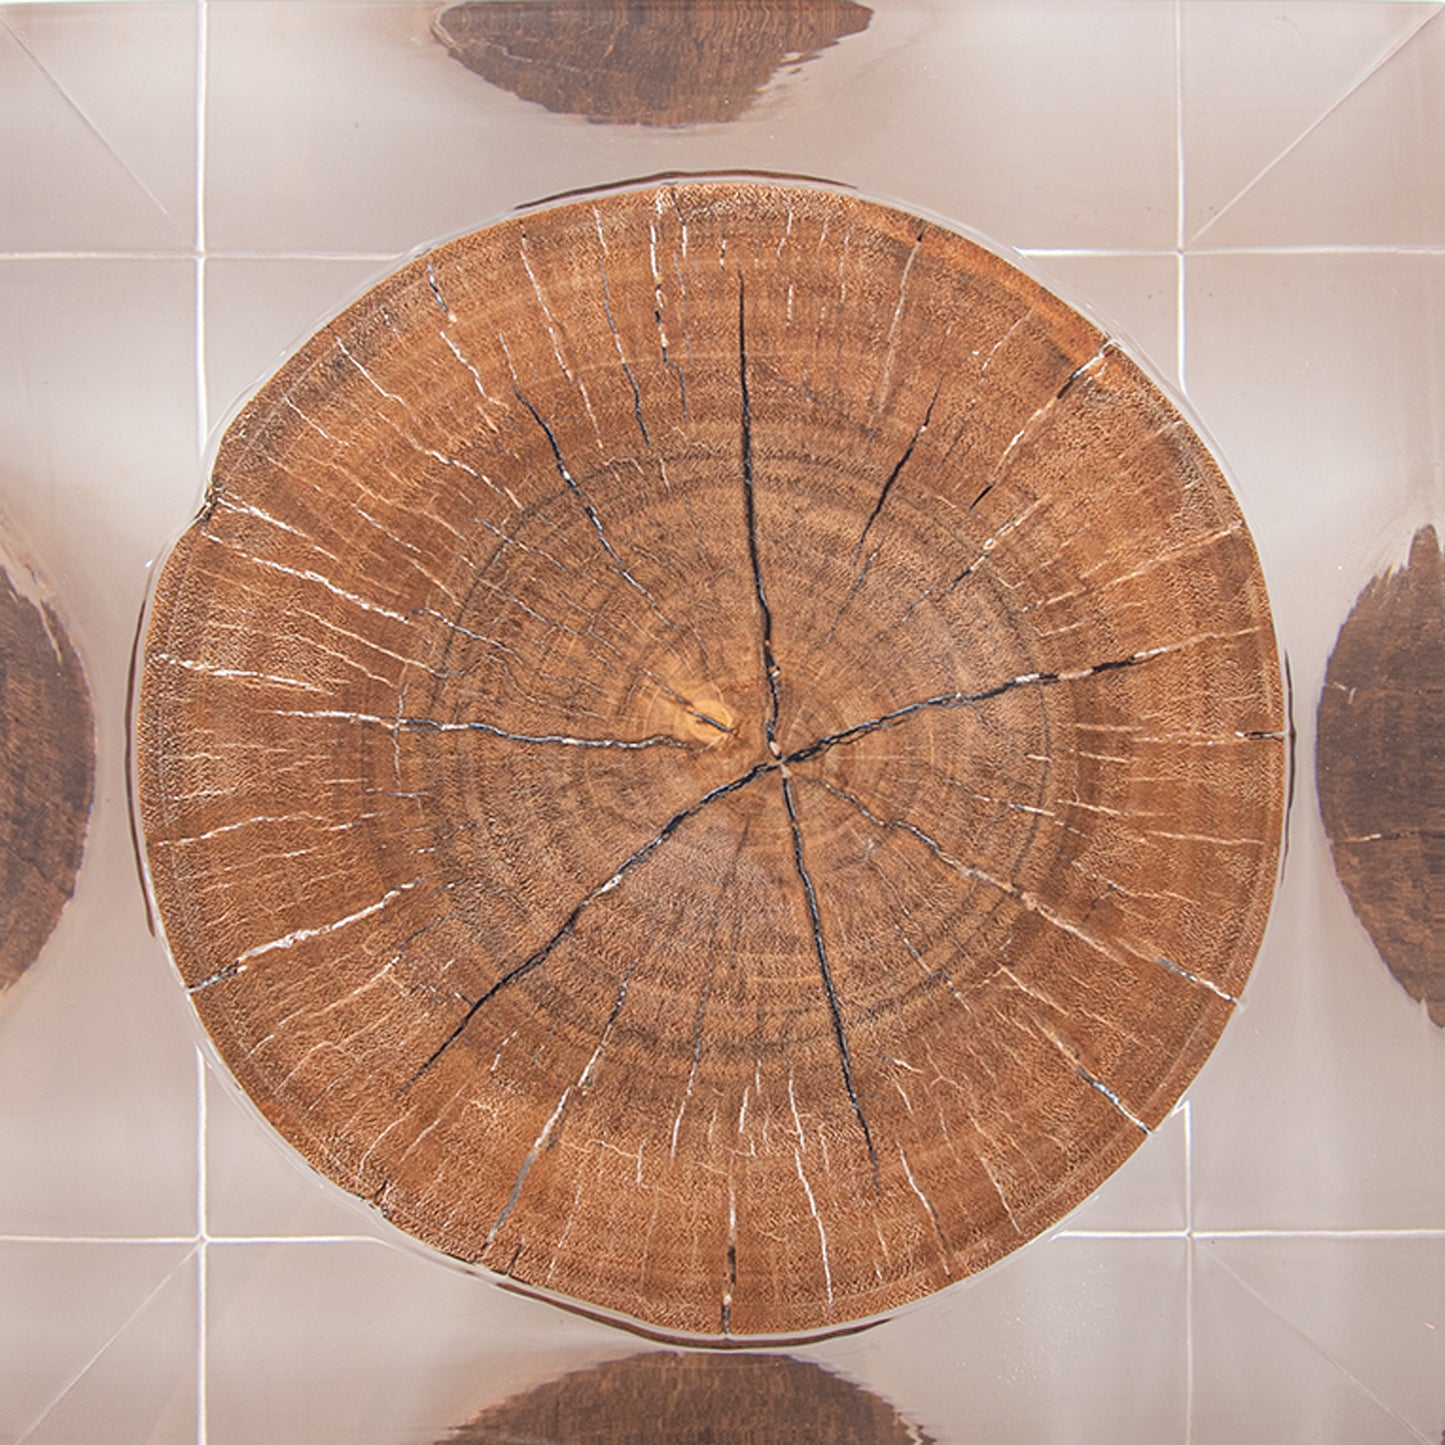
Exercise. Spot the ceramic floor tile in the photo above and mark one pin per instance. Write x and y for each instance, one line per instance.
(1375, 1308)
(257, 1186)
(1051, 124)
(1076, 1340)
(68, 1311)
(372, 1344)
(1025, 149)
(1259, 1376)
(98, 436)
(416, 147)
(1320, 378)
(1257, 77)
(1318, 1112)
(98, 1132)
(142, 1387)
(259, 311)
(97, 440)
(1367, 173)
(97, 134)
(1133, 296)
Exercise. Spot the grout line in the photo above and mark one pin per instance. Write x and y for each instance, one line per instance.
(1211, 1235)
(1122, 1234)
(198, 1240)
(1070, 251)
(1341, 248)
(202, 1355)
(1189, 1166)
(397, 257)
(1181, 287)
(96, 255)
(203, 432)
(203, 400)
(1362, 248)
(201, 1122)
(233, 1239)
(1179, 125)
(202, 1252)
(1189, 1296)
(1189, 1410)
(97, 1239)
(1181, 311)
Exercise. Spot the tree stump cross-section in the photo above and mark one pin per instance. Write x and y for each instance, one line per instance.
(716, 751)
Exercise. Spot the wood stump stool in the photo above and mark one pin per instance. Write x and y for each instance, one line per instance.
(716, 751)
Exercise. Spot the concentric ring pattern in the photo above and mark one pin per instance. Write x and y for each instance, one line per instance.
(716, 750)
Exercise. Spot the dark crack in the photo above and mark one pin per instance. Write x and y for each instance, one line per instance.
(585, 502)
(770, 664)
(572, 486)
(892, 479)
(820, 951)
(569, 926)
(883, 494)
(957, 699)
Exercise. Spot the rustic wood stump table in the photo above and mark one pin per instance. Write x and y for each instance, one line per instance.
(715, 750)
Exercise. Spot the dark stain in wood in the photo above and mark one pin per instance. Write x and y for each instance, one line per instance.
(1380, 764)
(643, 62)
(693, 1400)
(46, 772)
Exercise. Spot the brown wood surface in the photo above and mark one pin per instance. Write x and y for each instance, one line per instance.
(1380, 762)
(716, 750)
(46, 770)
(643, 62)
(696, 1399)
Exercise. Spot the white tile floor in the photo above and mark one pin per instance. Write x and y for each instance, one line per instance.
(1253, 193)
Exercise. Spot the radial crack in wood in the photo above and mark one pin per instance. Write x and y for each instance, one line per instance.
(1380, 763)
(717, 752)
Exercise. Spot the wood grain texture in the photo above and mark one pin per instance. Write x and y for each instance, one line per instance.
(717, 751)
(643, 62)
(1380, 764)
(46, 770)
(697, 1399)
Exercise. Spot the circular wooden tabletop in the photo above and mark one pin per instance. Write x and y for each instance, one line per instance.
(715, 750)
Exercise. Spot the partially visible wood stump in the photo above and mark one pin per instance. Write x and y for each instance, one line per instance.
(717, 751)
(46, 770)
(642, 62)
(1380, 763)
(693, 1400)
